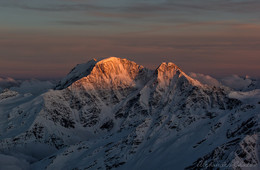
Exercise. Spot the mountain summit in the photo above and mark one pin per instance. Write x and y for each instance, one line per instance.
(114, 113)
(113, 71)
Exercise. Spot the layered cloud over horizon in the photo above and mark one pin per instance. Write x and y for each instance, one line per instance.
(44, 39)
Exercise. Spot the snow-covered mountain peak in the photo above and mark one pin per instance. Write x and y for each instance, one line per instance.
(168, 65)
(111, 73)
(110, 59)
(116, 66)
(81, 70)
(168, 69)
(169, 72)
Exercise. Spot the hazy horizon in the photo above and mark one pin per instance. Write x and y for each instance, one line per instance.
(57, 78)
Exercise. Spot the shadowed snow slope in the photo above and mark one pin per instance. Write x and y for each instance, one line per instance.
(114, 113)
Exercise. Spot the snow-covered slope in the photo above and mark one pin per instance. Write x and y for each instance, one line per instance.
(114, 113)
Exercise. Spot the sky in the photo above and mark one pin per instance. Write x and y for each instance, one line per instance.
(46, 39)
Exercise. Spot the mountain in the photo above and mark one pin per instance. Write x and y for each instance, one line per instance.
(240, 83)
(235, 82)
(7, 83)
(116, 114)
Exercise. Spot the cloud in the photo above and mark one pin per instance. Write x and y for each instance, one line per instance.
(52, 7)
(236, 82)
(234, 6)
(8, 82)
(196, 16)
(194, 7)
(89, 23)
(205, 79)
(33, 86)
(47, 55)
(140, 7)
(229, 23)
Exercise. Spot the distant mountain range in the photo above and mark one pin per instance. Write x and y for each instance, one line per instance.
(116, 114)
